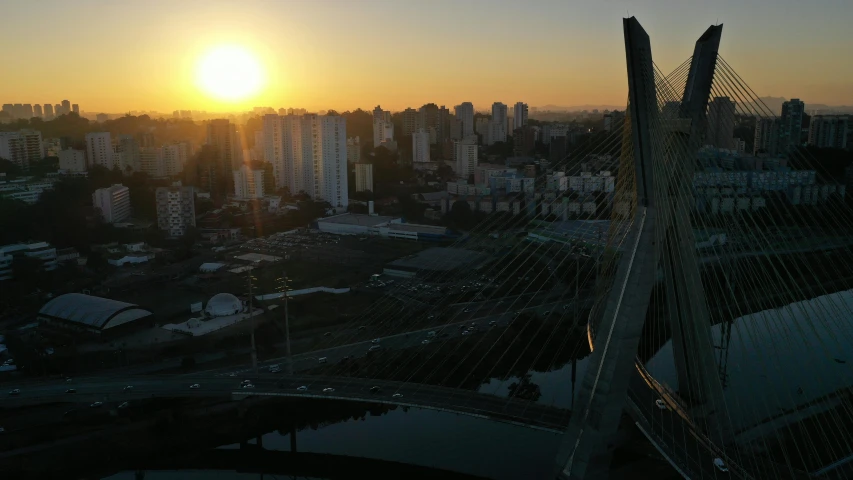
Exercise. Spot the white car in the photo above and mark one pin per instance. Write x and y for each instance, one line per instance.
(248, 385)
(720, 465)
(123, 406)
(466, 332)
(303, 388)
(68, 379)
(195, 386)
(328, 390)
(96, 404)
(375, 340)
(397, 395)
(129, 387)
(661, 404)
(15, 392)
(425, 342)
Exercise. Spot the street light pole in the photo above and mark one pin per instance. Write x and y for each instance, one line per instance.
(252, 326)
(287, 328)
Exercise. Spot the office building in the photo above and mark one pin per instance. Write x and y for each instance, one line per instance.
(130, 159)
(40, 250)
(248, 183)
(791, 125)
(72, 160)
(721, 123)
(383, 129)
(466, 158)
(48, 111)
(66, 107)
(828, 131)
(420, 147)
(519, 116)
(410, 121)
(175, 209)
(174, 158)
(27, 111)
(363, 177)
(354, 150)
(75, 109)
(222, 136)
(308, 154)
(465, 112)
(150, 163)
(99, 149)
(37, 111)
(114, 203)
(497, 124)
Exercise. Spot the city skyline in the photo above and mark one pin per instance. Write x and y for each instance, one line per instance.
(326, 54)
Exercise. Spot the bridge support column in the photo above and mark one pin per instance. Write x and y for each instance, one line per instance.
(293, 439)
(587, 444)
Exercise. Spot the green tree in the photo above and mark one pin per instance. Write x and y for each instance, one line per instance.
(27, 272)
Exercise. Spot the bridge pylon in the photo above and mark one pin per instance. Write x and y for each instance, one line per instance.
(660, 236)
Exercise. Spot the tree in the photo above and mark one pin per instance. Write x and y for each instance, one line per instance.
(524, 388)
(460, 216)
(27, 272)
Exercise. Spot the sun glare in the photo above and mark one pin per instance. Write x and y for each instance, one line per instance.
(229, 73)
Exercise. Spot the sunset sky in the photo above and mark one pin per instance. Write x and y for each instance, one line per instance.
(121, 55)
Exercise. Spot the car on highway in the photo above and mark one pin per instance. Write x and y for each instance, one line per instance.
(124, 405)
(68, 379)
(15, 392)
(275, 369)
(322, 360)
(361, 327)
(397, 395)
(493, 323)
(328, 390)
(245, 382)
(467, 310)
(375, 340)
(96, 404)
(129, 387)
(431, 334)
(720, 465)
(195, 386)
(466, 332)
(661, 404)
(2, 429)
(374, 348)
(425, 342)
(375, 389)
(327, 334)
(247, 385)
(303, 388)
(71, 390)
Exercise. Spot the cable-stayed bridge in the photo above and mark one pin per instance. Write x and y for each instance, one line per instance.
(734, 352)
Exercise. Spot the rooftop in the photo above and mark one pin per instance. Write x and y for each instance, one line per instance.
(94, 312)
(438, 259)
(357, 219)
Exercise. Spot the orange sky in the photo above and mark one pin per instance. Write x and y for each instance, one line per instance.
(121, 56)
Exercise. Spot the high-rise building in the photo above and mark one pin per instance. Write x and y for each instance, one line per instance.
(175, 209)
(465, 112)
(383, 128)
(466, 158)
(354, 150)
(114, 202)
(151, 162)
(828, 131)
(48, 111)
(766, 138)
(57, 109)
(791, 124)
(721, 123)
(308, 154)
(130, 159)
(519, 116)
(99, 149)
(497, 124)
(363, 177)
(248, 183)
(72, 160)
(420, 147)
(37, 111)
(28, 111)
(22, 148)
(75, 109)
(222, 136)
(174, 157)
(410, 121)
(455, 129)
(66, 107)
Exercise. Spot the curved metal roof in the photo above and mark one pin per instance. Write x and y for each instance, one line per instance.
(88, 310)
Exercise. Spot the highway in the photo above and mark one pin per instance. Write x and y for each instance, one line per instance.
(112, 393)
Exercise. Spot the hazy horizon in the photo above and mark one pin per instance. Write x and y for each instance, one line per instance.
(118, 57)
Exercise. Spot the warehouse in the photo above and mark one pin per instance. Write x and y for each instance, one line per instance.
(86, 313)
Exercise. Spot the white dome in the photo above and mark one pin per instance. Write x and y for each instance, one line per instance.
(223, 304)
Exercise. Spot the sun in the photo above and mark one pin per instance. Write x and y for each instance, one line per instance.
(229, 72)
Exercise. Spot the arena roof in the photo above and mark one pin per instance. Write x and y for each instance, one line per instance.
(93, 312)
(357, 219)
(437, 259)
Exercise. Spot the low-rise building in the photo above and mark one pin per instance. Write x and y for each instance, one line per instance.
(113, 202)
(40, 250)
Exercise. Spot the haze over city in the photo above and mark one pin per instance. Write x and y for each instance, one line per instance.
(115, 57)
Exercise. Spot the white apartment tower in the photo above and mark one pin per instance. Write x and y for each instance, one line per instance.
(175, 209)
(465, 113)
(113, 201)
(383, 129)
(248, 183)
(466, 158)
(363, 177)
(309, 154)
(99, 149)
(519, 115)
(21, 148)
(420, 146)
(174, 157)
